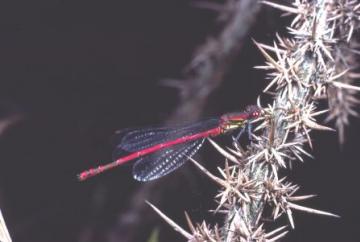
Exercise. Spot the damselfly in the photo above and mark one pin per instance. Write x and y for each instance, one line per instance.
(162, 150)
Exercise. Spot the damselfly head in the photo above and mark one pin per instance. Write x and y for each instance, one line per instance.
(253, 111)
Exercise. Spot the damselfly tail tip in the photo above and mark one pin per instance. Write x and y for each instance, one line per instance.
(95, 171)
(88, 173)
(83, 176)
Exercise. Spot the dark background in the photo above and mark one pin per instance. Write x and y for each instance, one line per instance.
(76, 71)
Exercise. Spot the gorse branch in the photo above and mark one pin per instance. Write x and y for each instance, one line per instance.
(316, 62)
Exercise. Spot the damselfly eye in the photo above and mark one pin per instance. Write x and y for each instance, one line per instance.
(253, 111)
(256, 114)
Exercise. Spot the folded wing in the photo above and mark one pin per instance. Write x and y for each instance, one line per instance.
(165, 161)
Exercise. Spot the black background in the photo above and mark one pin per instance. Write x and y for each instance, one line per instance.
(79, 70)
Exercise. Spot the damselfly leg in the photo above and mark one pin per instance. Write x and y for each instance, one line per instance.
(248, 128)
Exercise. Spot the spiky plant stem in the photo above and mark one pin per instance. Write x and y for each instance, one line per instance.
(315, 63)
(288, 99)
(304, 68)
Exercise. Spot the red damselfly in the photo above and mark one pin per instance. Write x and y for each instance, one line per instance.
(162, 150)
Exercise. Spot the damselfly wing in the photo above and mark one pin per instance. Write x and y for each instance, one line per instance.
(165, 161)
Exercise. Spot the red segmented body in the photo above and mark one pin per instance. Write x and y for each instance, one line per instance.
(92, 172)
(147, 142)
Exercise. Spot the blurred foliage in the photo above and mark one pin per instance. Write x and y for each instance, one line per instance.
(154, 236)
